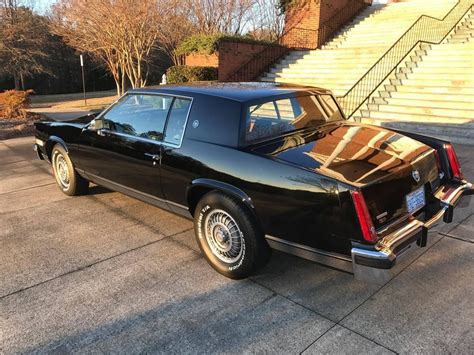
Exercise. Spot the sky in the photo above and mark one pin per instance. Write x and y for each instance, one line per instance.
(40, 6)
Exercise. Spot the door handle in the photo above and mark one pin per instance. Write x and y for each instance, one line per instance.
(102, 132)
(155, 157)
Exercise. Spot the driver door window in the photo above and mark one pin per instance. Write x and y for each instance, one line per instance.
(138, 115)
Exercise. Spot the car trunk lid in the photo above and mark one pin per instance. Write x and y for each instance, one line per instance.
(386, 166)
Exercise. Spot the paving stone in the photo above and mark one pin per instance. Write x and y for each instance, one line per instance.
(29, 198)
(187, 239)
(427, 308)
(329, 292)
(340, 340)
(163, 298)
(23, 174)
(47, 240)
(465, 230)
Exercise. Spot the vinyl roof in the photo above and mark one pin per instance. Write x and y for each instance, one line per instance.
(241, 92)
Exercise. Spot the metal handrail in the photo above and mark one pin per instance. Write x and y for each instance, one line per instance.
(262, 61)
(425, 30)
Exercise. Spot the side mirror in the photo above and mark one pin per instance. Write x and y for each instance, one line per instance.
(95, 125)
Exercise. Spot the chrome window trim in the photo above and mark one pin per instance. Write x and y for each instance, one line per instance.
(146, 140)
(162, 142)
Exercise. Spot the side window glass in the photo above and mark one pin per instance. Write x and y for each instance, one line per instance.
(269, 119)
(177, 121)
(139, 115)
(330, 107)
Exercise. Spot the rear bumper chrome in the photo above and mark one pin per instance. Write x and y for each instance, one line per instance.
(373, 264)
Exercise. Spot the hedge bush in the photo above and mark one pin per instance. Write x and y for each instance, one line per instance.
(13, 104)
(186, 73)
(209, 44)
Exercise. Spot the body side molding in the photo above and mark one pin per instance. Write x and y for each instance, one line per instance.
(334, 260)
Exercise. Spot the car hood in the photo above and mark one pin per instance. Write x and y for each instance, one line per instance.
(352, 153)
(83, 120)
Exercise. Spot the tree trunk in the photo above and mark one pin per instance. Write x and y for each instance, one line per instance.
(22, 81)
(16, 79)
(124, 82)
(117, 83)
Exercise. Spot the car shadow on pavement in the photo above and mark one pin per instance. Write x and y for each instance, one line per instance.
(98, 190)
(215, 320)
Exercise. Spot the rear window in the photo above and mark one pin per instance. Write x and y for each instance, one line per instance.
(273, 118)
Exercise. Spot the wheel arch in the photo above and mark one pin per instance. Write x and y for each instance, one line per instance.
(52, 141)
(200, 187)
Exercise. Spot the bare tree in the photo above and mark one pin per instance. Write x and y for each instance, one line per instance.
(219, 16)
(124, 34)
(22, 38)
(267, 21)
(174, 30)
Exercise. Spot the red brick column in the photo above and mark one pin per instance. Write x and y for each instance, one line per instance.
(308, 24)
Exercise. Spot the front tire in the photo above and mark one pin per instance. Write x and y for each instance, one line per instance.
(228, 236)
(69, 181)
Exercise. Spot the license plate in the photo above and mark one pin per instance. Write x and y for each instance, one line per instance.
(415, 200)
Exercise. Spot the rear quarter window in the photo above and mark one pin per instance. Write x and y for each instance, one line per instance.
(177, 121)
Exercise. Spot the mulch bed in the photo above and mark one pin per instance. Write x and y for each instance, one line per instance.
(15, 128)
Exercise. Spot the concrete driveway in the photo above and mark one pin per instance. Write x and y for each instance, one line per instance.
(106, 273)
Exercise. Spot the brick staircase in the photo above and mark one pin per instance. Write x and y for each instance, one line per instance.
(433, 91)
(342, 61)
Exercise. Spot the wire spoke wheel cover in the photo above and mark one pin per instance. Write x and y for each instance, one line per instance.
(223, 236)
(61, 169)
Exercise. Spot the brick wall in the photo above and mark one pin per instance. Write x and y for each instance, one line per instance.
(233, 55)
(230, 57)
(202, 60)
(309, 25)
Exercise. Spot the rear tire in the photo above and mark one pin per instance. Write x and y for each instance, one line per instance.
(229, 236)
(69, 181)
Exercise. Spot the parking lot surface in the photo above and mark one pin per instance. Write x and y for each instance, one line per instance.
(107, 273)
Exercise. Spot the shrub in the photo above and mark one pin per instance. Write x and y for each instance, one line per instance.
(209, 44)
(13, 103)
(185, 73)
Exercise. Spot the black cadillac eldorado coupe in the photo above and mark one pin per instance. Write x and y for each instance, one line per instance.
(259, 166)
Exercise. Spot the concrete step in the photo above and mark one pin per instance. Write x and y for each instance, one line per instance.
(455, 56)
(315, 79)
(329, 64)
(447, 48)
(409, 117)
(437, 89)
(455, 133)
(446, 104)
(429, 76)
(429, 111)
(342, 77)
(446, 70)
(318, 70)
(338, 55)
(440, 63)
(431, 96)
(435, 82)
(458, 40)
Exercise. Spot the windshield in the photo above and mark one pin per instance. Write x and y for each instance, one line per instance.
(273, 118)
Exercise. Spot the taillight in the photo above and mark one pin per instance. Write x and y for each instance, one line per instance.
(363, 215)
(453, 161)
